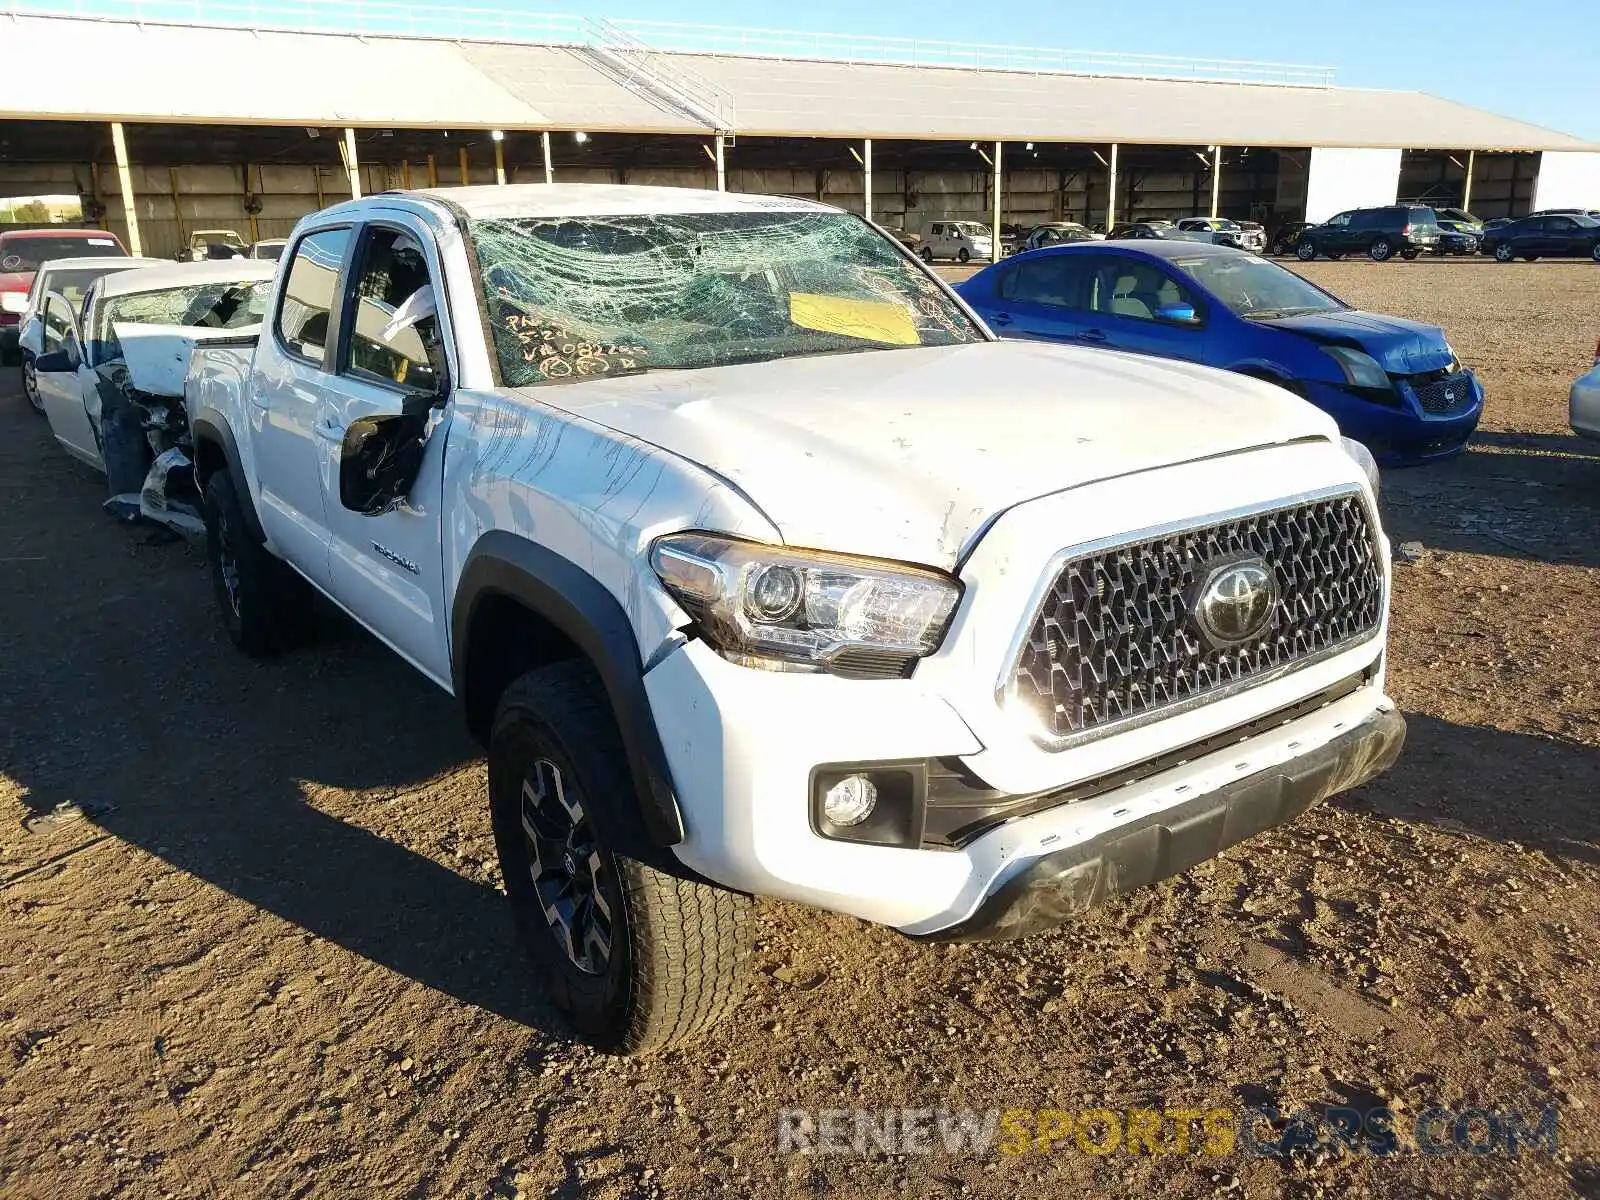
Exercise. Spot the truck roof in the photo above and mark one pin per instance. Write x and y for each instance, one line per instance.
(606, 200)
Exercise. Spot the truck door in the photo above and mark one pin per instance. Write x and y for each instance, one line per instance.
(287, 381)
(387, 402)
(61, 391)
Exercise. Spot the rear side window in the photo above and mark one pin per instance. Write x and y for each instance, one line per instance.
(1053, 279)
(308, 293)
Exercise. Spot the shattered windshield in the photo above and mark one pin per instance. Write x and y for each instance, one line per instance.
(577, 297)
(208, 305)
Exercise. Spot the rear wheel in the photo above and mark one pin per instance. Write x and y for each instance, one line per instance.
(265, 606)
(1409, 255)
(927, 254)
(1305, 251)
(637, 959)
(1380, 250)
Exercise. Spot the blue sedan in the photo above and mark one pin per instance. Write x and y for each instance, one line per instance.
(1392, 384)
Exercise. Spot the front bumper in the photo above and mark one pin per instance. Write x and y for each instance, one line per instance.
(1059, 886)
(1584, 405)
(1399, 435)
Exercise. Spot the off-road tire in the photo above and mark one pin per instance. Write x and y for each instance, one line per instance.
(267, 610)
(679, 949)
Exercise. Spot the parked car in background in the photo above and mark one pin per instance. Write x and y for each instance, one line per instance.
(207, 244)
(1496, 223)
(785, 578)
(1460, 216)
(1544, 237)
(21, 253)
(110, 378)
(960, 240)
(1255, 236)
(1154, 227)
(1286, 237)
(1584, 405)
(1394, 385)
(1566, 212)
(1457, 237)
(1219, 231)
(268, 248)
(1054, 232)
(71, 278)
(1379, 233)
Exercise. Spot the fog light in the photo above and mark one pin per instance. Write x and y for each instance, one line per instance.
(850, 801)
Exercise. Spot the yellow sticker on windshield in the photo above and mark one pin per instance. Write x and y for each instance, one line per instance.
(870, 320)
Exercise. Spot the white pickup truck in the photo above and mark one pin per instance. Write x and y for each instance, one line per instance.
(761, 568)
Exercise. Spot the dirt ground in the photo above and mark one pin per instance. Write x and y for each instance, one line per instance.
(273, 962)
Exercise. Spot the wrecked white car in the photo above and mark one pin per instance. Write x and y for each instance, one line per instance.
(110, 378)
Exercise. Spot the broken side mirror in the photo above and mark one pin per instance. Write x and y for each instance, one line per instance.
(379, 460)
(62, 360)
(31, 338)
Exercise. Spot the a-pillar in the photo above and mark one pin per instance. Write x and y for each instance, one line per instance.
(130, 214)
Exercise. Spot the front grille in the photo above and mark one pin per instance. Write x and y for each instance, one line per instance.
(1115, 640)
(1444, 396)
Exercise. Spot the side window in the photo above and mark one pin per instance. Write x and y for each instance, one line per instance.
(1560, 225)
(1342, 221)
(394, 331)
(1126, 287)
(57, 323)
(313, 274)
(1054, 280)
(935, 230)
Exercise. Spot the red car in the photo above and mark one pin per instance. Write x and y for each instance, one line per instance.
(21, 252)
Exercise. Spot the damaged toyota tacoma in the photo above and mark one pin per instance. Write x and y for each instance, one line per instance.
(761, 568)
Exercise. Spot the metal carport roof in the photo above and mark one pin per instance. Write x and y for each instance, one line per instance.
(77, 68)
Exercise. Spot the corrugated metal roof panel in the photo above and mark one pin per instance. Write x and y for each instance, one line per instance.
(569, 84)
(820, 98)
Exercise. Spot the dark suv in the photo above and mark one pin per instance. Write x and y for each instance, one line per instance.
(1379, 233)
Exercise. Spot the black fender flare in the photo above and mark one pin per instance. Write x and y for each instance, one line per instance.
(205, 427)
(581, 608)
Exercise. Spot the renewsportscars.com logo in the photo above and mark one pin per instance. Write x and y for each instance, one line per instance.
(1260, 1132)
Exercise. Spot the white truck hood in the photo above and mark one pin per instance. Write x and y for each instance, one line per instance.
(157, 356)
(909, 454)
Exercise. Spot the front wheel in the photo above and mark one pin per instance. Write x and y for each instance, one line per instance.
(637, 959)
(1305, 251)
(1503, 252)
(963, 255)
(1594, 252)
(30, 384)
(1380, 250)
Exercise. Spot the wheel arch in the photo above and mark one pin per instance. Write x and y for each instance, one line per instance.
(519, 606)
(215, 449)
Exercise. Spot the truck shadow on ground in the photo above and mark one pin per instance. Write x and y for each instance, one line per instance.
(1525, 496)
(1490, 783)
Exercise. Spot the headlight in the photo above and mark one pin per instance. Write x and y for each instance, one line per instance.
(13, 302)
(1360, 368)
(1363, 456)
(806, 608)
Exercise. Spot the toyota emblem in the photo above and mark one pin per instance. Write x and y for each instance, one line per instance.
(1234, 601)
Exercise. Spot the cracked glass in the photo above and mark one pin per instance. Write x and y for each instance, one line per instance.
(573, 298)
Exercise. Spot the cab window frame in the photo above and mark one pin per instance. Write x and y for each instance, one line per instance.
(335, 308)
(339, 365)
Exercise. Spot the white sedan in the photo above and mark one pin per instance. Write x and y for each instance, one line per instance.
(1585, 403)
(72, 278)
(110, 381)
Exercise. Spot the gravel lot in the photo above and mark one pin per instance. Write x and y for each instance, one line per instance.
(273, 962)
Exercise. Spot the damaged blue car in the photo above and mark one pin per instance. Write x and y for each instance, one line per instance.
(1394, 385)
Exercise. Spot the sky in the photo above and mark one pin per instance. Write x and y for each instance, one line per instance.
(1539, 64)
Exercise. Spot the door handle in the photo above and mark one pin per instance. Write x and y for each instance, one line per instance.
(1000, 319)
(1093, 335)
(329, 432)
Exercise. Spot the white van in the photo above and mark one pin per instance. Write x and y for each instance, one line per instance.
(960, 240)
